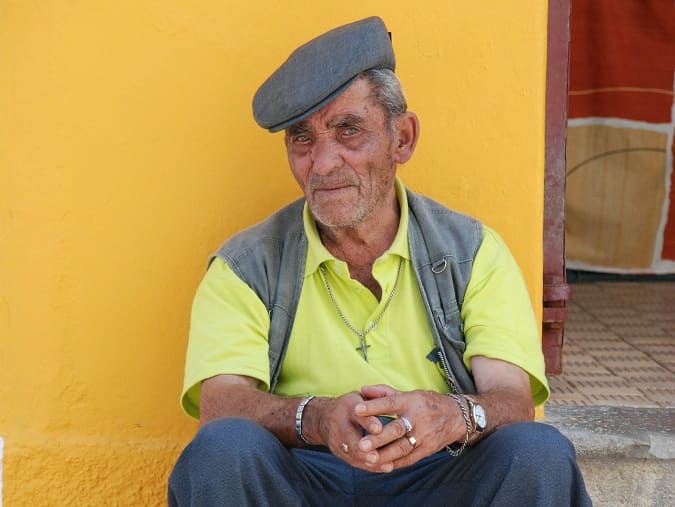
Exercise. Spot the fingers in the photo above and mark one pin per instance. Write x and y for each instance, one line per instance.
(416, 453)
(378, 391)
(417, 431)
(389, 404)
(371, 425)
(344, 429)
(391, 432)
(401, 452)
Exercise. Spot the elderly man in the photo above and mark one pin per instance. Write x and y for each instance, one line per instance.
(364, 345)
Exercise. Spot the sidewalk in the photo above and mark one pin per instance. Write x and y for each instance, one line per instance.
(619, 346)
(616, 397)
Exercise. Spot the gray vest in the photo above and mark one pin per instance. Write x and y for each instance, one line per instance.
(270, 258)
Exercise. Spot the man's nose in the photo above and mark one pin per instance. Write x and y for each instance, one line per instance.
(325, 154)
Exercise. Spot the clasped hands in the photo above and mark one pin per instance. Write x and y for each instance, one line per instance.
(424, 422)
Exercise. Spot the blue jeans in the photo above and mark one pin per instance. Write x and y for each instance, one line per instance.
(233, 461)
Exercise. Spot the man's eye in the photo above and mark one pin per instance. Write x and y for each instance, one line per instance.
(350, 131)
(301, 139)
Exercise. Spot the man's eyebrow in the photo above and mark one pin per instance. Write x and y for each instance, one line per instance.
(343, 120)
(298, 128)
(346, 120)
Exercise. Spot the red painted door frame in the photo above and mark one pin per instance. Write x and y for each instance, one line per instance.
(556, 292)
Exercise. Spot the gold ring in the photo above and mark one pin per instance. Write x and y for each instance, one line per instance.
(345, 447)
(412, 440)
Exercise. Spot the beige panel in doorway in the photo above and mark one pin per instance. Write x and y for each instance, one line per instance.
(614, 197)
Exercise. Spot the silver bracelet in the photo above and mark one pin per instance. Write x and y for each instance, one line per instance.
(457, 450)
(298, 419)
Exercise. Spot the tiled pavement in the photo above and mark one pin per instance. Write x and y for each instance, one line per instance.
(619, 346)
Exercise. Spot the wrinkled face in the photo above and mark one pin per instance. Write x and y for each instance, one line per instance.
(342, 156)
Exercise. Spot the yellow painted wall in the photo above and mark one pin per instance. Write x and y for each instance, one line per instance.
(128, 152)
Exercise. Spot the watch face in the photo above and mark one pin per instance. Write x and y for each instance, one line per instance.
(479, 416)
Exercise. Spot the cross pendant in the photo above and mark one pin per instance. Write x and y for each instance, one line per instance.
(364, 349)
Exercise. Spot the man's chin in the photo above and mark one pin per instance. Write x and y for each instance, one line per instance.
(335, 220)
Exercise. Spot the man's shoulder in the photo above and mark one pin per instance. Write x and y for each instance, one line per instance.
(284, 224)
(425, 207)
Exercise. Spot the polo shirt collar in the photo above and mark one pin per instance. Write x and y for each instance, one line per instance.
(317, 253)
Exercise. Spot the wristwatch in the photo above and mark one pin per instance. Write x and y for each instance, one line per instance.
(477, 414)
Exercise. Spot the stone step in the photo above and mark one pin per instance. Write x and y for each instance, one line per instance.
(627, 454)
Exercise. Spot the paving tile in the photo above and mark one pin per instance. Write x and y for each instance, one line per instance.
(596, 303)
(577, 365)
(668, 363)
(567, 357)
(586, 380)
(622, 401)
(656, 316)
(645, 340)
(665, 288)
(571, 399)
(659, 350)
(579, 317)
(669, 366)
(629, 331)
(583, 337)
(575, 342)
(558, 383)
(564, 394)
(600, 306)
(584, 287)
(579, 334)
(614, 312)
(654, 376)
(581, 359)
(619, 346)
(615, 347)
(573, 304)
(660, 306)
(608, 389)
(619, 322)
(663, 387)
(662, 398)
(645, 368)
(635, 358)
(580, 321)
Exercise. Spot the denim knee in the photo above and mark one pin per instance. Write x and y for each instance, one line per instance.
(536, 455)
(228, 447)
(536, 438)
(232, 461)
(233, 439)
(537, 447)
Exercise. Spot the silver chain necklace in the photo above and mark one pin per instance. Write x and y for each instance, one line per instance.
(373, 324)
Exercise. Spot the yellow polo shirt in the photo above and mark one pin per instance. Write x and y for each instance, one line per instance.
(229, 326)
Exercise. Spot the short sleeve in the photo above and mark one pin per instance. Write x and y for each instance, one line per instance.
(228, 333)
(499, 322)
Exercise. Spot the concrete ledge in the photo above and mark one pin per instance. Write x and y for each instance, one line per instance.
(627, 454)
(599, 431)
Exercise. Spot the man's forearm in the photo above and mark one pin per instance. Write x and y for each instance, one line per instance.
(325, 420)
(221, 398)
(503, 391)
(502, 407)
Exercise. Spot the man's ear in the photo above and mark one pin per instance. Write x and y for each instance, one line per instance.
(406, 134)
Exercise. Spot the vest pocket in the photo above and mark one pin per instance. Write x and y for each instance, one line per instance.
(450, 329)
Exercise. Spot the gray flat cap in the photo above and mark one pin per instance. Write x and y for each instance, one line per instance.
(320, 70)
